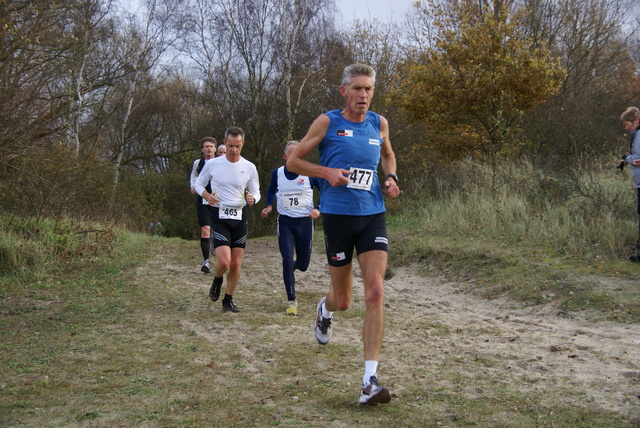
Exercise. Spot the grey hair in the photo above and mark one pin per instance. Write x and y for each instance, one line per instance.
(289, 144)
(357, 69)
(630, 114)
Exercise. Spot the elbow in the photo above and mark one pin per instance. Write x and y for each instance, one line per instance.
(291, 165)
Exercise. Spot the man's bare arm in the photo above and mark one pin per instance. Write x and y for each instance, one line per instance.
(388, 160)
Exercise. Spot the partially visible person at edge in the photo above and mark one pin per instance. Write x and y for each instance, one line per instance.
(234, 185)
(208, 149)
(296, 212)
(630, 119)
(222, 149)
(352, 143)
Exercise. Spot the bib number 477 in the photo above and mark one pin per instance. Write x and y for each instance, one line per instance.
(360, 179)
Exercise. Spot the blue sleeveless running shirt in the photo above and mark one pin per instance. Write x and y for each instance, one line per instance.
(353, 146)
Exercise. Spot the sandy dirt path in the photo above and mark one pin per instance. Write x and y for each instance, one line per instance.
(437, 326)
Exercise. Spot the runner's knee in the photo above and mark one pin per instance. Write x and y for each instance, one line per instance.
(374, 296)
(222, 263)
(302, 266)
(234, 265)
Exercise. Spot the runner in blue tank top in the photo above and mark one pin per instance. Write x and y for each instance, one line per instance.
(296, 212)
(352, 143)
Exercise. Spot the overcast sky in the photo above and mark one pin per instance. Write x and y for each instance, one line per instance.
(384, 10)
(380, 9)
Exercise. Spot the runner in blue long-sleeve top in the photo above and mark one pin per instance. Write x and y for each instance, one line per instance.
(296, 212)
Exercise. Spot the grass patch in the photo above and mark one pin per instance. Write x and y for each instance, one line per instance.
(128, 338)
(533, 273)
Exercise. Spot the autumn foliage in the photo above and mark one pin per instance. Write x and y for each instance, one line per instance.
(479, 79)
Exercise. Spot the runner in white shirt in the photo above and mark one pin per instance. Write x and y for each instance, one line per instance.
(208, 149)
(234, 184)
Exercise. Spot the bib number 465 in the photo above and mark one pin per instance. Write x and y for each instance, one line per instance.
(230, 212)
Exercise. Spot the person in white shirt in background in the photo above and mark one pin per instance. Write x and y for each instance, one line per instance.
(208, 149)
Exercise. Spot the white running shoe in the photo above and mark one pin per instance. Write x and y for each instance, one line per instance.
(373, 393)
(205, 267)
(323, 334)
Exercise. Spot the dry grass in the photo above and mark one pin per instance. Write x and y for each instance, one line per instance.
(122, 346)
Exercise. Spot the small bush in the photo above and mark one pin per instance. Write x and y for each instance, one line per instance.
(29, 245)
(587, 210)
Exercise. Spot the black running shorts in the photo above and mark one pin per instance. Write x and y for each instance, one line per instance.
(343, 233)
(230, 233)
(204, 213)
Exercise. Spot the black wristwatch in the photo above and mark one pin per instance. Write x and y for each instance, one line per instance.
(395, 177)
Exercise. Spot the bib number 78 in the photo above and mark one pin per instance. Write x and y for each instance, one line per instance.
(294, 199)
(360, 179)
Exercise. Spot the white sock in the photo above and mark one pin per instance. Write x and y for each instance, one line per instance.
(325, 312)
(370, 369)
